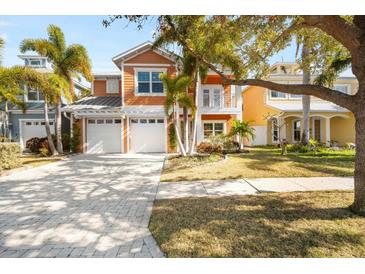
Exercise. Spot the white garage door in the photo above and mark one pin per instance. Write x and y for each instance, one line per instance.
(147, 135)
(34, 128)
(104, 135)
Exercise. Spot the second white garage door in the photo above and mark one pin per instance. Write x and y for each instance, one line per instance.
(147, 135)
(104, 136)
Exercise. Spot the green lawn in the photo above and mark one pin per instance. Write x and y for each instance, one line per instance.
(297, 224)
(35, 160)
(263, 163)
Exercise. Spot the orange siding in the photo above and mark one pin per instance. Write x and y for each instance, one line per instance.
(100, 88)
(129, 89)
(149, 57)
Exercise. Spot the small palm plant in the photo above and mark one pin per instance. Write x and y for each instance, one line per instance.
(243, 130)
(67, 61)
(176, 97)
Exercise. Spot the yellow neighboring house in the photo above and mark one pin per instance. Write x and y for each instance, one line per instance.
(276, 115)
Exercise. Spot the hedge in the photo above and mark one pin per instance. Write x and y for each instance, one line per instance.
(9, 155)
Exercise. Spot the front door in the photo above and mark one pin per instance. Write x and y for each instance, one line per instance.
(317, 130)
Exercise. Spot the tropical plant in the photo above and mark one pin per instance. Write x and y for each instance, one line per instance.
(243, 130)
(176, 97)
(68, 62)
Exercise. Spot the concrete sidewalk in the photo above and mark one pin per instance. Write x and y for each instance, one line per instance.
(169, 190)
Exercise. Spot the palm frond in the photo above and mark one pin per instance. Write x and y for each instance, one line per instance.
(2, 42)
(329, 75)
(77, 60)
(42, 46)
(56, 37)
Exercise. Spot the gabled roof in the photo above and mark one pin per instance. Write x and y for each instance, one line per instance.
(124, 56)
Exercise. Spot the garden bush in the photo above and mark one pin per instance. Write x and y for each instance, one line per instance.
(10, 155)
(4, 139)
(298, 148)
(206, 147)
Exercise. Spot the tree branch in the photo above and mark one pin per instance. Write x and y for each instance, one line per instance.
(336, 27)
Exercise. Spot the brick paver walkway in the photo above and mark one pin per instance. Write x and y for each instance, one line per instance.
(85, 206)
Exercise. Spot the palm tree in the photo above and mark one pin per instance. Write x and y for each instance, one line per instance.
(243, 130)
(177, 96)
(68, 62)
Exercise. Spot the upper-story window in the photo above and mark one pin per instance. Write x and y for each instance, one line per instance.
(149, 82)
(35, 62)
(342, 88)
(277, 94)
(213, 97)
(34, 96)
(112, 86)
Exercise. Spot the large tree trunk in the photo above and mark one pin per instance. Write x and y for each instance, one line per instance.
(48, 130)
(176, 119)
(195, 119)
(306, 99)
(59, 126)
(186, 129)
(359, 203)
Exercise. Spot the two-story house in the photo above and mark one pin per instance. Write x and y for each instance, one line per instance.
(276, 115)
(125, 113)
(24, 125)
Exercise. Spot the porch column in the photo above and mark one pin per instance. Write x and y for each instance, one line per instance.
(238, 103)
(328, 131)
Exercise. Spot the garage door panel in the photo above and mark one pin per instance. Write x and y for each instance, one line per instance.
(147, 135)
(34, 128)
(104, 136)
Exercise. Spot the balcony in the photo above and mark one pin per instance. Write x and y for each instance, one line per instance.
(218, 101)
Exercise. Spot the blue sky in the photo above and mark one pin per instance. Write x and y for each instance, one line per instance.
(101, 43)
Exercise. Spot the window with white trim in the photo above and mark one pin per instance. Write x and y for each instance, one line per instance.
(342, 88)
(149, 82)
(112, 86)
(34, 95)
(275, 130)
(213, 128)
(206, 98)
(277, 94)
(296, 130)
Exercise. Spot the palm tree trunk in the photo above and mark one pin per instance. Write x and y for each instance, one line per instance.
(195, 119)
(306, 99)
(186, 129)
(59, 126)
(177, 130)
(48, 129)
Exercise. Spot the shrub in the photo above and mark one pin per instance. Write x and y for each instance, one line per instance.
(44, 152)
(4, 139)
(9, 155)
(297, 148)
(206, 147)
(231, 145)
(313, 143)
(75, 140)
(33, 144)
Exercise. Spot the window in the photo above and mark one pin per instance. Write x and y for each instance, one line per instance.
(99, 122)
(206, 98)
(217, 98)
(296, 131)
(112, 86)
(295, 96)
(34, 95)
(277, 94)
(149, 82)
(109, 121)
(35, 62)
(342, 88)
(143, 121)
(134, 121)
(275, 130)
(151, 121)
(213, 129)
(117, 121)
(51, 123)
(28, 123)
(160, 121)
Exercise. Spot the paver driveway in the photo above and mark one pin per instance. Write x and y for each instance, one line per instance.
(85, 206)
